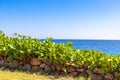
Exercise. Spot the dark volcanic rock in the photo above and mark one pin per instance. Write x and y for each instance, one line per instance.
(21, 62)
(97, 77)
(73, 73)
(42, 65)
(56, 73)
(13, 64)
(59, 68)
(47, 69)
(20, 67)
(108, 76)
(29, 60)
(85, 67)
(1, 62)
(33, 64)
(62, 73)
(70, 69)
(1, 57)
(47, 62)
(27, 67)
(83, 74)
(35, 68)
(35, 61)
(52, 68)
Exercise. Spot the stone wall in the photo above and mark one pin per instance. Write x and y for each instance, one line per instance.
(35, 65)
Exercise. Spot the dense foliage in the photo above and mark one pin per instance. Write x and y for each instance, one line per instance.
(20, 47)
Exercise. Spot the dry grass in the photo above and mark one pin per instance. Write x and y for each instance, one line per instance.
(18, 75)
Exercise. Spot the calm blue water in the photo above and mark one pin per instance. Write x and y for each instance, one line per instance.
(107, 46)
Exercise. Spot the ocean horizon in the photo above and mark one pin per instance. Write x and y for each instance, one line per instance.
(104, 45)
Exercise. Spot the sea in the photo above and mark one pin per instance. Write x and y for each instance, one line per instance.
(108, 46)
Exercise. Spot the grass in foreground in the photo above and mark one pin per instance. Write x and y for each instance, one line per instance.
(19, 75)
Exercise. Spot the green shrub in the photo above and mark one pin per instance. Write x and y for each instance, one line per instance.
(20, 47)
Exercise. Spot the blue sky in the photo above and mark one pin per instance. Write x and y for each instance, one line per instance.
(61, 19)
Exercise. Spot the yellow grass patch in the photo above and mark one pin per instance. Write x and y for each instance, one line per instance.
(18, 75)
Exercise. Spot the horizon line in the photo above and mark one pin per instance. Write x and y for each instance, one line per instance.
(79, 39)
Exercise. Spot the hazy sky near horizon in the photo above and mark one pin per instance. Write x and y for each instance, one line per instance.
(66, 19)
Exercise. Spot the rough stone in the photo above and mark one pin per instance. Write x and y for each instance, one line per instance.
(6, 64)
(13, 64)
(108, 76)
(85, 67)
(47, 69)
(52, 68)
(47, 62)
(97, 77)
(56, 73)
(62, 73)
(42, 65)
(20, 67)
(59, 68)
(87, 71)
(70, 69)
(1, 62)
(35, 62)
(83, 74)
(35, 68)
(21, 62)
(28, 60)
(116, 79)
(1, 57)
(73, 73)
(27, 67)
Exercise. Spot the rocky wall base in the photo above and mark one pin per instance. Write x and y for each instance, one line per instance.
(33, 64)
